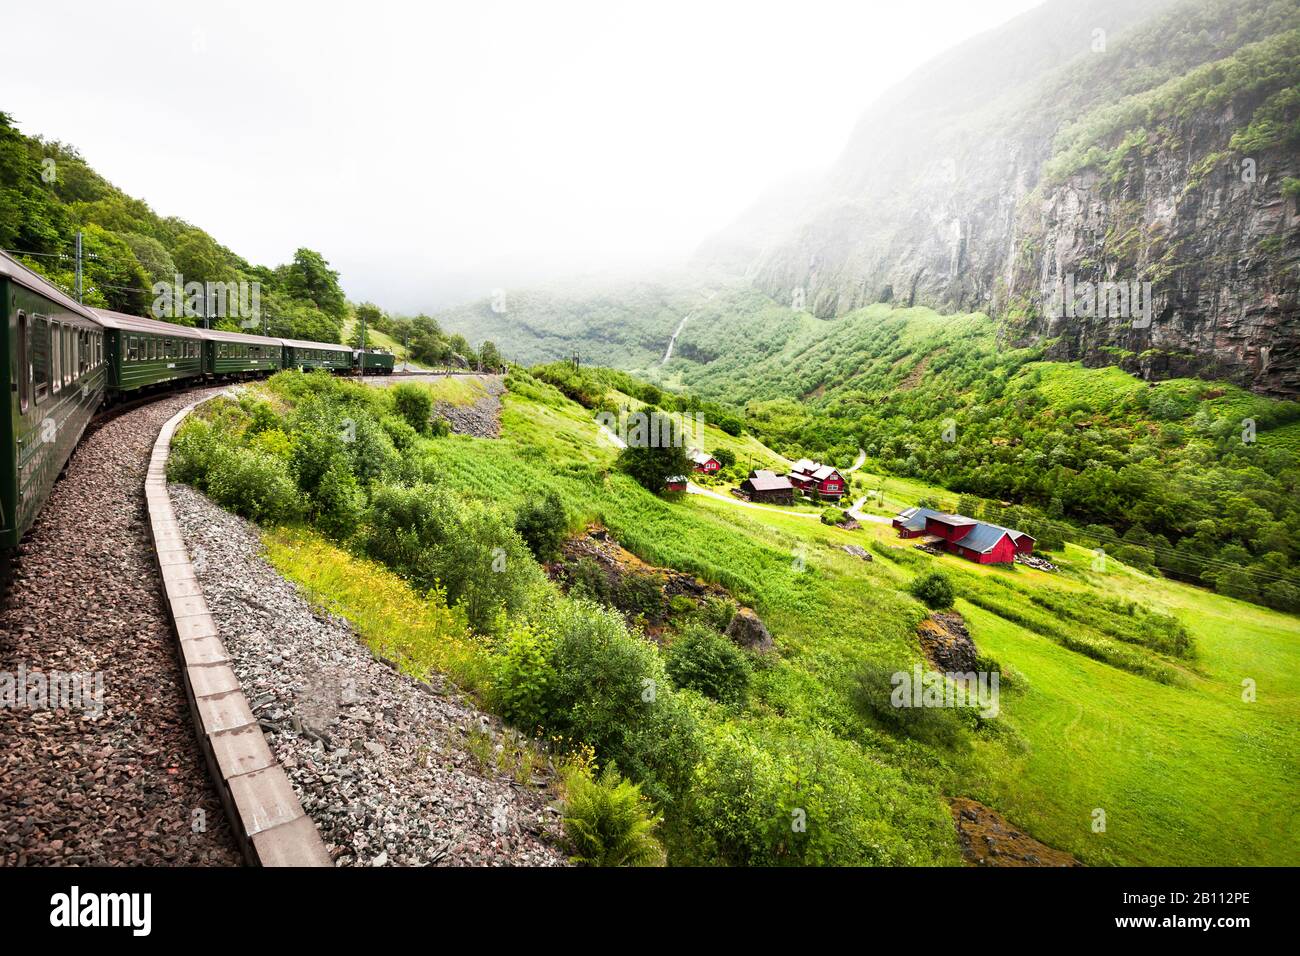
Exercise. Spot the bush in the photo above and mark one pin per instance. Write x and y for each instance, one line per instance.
(192, 449)
(873, 695)
(934, 590)
(524, 679)
(704, 660)
(608, 821)
(403, 525)
(414, 404)
(833, 516)
(399, 431)
(339, 502)
(765, 798)
(253, 484)
(485, 567)
(543, 524)
(610, 691)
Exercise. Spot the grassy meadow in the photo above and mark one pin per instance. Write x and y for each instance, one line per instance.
(1186, 772)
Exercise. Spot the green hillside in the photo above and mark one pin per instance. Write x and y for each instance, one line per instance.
(1121, 692)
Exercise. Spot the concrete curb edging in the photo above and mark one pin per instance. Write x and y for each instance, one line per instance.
(272, 828)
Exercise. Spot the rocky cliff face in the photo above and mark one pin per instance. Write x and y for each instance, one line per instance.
(1220, 246)
(1081, 143)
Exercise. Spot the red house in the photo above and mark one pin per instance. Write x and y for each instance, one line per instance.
(965, 537)
(675, 483)
(814, 477)
(704, 463)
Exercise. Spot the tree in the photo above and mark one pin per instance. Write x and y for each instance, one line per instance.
(653, 462)
(488, 355)
(725, 456)
(310, 278)
(370, 317)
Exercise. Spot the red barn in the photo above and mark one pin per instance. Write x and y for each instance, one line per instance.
(762, 485)
(703, 462)
(675, 483)
(965, 537)
(911, 523)
(813, 476)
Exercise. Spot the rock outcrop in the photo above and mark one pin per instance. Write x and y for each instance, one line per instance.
(748, 630)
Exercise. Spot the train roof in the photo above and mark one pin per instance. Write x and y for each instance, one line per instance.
(219, 335)
(134, 323)
(15, 271)
(300, 344)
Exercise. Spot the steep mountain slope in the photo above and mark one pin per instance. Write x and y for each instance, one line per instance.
(1101, 140)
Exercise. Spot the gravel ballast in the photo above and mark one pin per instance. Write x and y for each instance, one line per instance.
(129, 786)
(377, 759)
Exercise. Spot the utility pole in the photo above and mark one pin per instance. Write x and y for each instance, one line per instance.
(78, 265)
(362, 358)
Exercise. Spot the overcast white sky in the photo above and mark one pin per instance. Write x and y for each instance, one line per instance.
(414, 143)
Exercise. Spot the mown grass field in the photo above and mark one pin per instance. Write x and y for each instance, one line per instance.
(1186, 773)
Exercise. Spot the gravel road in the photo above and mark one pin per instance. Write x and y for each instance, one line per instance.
(130, 786)
(377, 759)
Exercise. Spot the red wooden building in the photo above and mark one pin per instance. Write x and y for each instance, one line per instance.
(763, 485)
(911, 523)
(815, 478)
(675, 483)
(965, 537)
(703, 462)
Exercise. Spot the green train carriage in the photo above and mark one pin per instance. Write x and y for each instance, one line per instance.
(146, 353)
(306, 356)
(52, 357)
(238, 354)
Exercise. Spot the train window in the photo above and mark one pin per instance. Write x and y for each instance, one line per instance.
(56, 358)
(40, 357)
(24, 364)
(83, 353)
(133, 349)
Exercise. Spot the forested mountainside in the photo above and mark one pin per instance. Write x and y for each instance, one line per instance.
(48, 193)
(1107, 141)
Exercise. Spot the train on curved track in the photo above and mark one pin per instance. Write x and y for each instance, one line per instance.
(62, 362)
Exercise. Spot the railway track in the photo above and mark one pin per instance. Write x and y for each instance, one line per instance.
(127, 785)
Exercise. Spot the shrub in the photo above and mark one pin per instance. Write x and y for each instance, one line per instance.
(543, 524)
(608, 821)
(403, 523)
(414, 404)
(339, 502)
(761, 797)
(873, 695)
(524, 678)
(485, 566)
(399, 431)
(725, 456)
(253, 484)
(833, 516)
(704, 660)
(611, 692)
(191, 453)
(934, 590)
